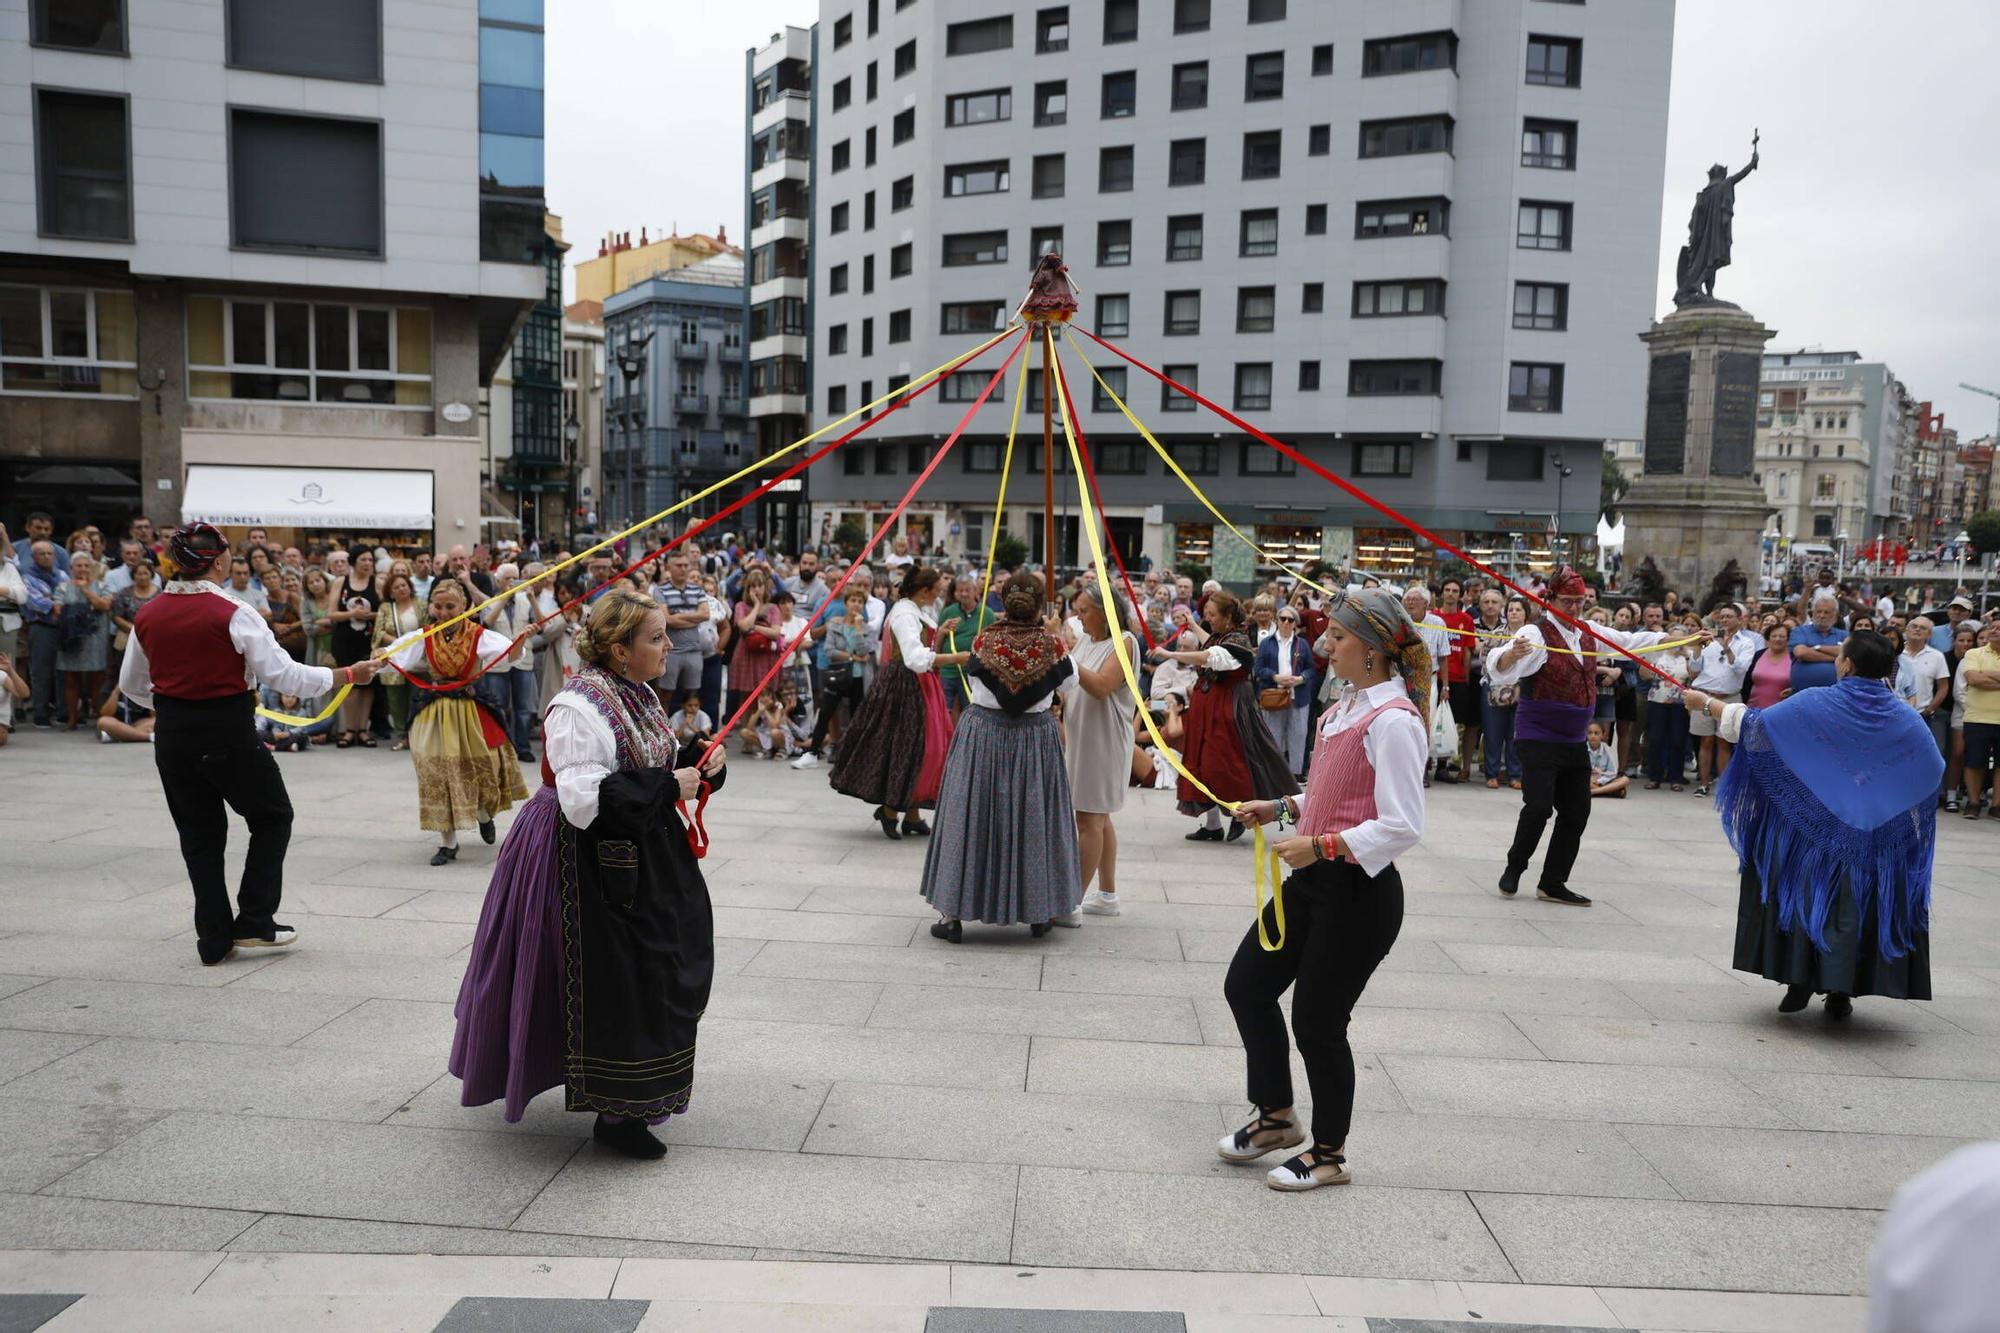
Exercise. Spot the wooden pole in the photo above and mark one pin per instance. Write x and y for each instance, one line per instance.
(1049, 464)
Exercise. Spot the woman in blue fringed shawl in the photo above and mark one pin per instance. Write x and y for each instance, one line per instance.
(1831, 804)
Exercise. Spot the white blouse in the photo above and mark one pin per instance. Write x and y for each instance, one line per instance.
(1535, 636)
(907, 621)
(1397, 747)
(491, 647)
(581, 751)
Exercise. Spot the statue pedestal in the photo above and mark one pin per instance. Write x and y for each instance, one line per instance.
(1696, 508)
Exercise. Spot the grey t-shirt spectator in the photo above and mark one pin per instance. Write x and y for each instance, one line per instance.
(679, 601)
(807, 596)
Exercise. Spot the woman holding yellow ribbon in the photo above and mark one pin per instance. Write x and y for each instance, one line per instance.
(1363, 806)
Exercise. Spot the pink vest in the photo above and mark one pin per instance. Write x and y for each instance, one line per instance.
(1341, 789)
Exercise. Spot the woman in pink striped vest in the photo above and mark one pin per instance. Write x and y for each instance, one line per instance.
(1363, 806)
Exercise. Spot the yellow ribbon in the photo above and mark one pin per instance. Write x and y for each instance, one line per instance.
(1269, 874)
(900, 391)
(289, 720)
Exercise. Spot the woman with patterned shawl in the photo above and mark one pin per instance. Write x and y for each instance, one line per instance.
(1005, 851)
(1831, 805)
(1227, 744)
(467, 771)
(892, 753)
(596, 944)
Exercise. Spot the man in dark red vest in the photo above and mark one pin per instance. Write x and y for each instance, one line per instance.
(192, 658)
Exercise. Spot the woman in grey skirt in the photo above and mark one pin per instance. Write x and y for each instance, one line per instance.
(1005, 849)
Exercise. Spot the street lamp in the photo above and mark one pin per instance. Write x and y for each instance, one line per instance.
(1562, 471)
(632, 360)
(572, 430)
(1840, 556)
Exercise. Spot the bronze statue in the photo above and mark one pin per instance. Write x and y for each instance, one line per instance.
(1711, 229)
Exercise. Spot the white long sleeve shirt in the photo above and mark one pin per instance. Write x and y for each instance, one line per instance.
(409, 654)
(1538, 652)
(907, 621)
(1720, 674)
(249, 633)
(1397, 747)
(581, 751)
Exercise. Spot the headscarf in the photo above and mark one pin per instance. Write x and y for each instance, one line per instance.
(1017, 651)
(193, 549)
(1566, 582)
(1379, 619)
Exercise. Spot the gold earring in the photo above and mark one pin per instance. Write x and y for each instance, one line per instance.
(1368, 662)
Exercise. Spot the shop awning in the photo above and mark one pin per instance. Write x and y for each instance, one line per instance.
(307, 497)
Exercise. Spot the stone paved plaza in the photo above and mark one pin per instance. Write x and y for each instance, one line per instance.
(1565, 1116)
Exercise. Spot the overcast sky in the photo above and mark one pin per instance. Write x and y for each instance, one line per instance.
(1870, 225)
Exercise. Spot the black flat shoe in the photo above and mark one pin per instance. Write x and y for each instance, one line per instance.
(444, 856)
(1205, 835)
(486, 831)
(1510, 882)
(1839, 1006)
(1235, 831)
(1039, 929)
(630, 1137)
(1558, 893)
(952, 932)
(888, 823)
(914, 827)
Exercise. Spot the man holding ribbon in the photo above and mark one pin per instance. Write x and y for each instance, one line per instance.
(191, 659)
(1557, 676)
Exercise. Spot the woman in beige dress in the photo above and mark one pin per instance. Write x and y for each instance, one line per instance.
(1098, 712)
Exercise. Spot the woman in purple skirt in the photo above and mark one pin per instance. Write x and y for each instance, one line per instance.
(596, 944)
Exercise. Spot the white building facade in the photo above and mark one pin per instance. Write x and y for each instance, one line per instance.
(1415, 240)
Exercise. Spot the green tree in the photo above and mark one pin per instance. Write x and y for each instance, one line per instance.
(1009, 553)
(849, 536)
(1611, 489)
(1984, 530)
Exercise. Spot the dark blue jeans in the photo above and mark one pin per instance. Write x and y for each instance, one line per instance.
(523, 693)
(44, 641)
(1502, 760)
(1666, 740)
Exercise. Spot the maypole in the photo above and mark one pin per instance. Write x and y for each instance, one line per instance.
(1051, 300)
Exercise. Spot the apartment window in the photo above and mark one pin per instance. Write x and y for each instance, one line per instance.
(1264, 76)
(1183, 314)
(899, 326)
(79, 25)
(1253, 388)
(1200, 459)
(901, 259)
(1114, 169)
(1555, 61)
(836, 279)
(843, 31)
(1549, 143)
(841, 156)
(1541, 305)
(1389, 379)
(1119, 97)
(964, 386)
(1315, 219)
(979, 108)
(1312, 298)
(1513, 462)
(902, 193)
(975, 247)
(916, 456)
(965, 178)
(1190, 90)
(867, 274)
(836, 340)
(1534, 386)
(1319, 140)
(1184, 236)
(83, 166)
(836, 219)
(1187, 161)
(1322, 64)
(57, 340)
(1256, 309)
(867, 347)
(868, 147)
(853, 462)
(868, 211)
(1388, 458)
(1401, 217)
(976, 35)
(1114, 243)
(309, 183)
(1121, 458)
(1100, 401)
(1259, 235)
(904, 127)
(1052, 30)
(1404, 296)
(843, 94)
(973, 317)
(1114, 315)
(1050, 176)
(296, 352)
(905, 59)
(1045, 240)
(1543, 226)
(873, 83)
(1191, 15)
(342, 39)
(1409, 55)
(1121, 21)
(1266, 11)
(1052, 102)
(1308, 376)
(1411, 134)
(1261, 154)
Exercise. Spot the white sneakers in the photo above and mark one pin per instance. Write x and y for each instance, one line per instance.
(1068, 921)
(1099, 903)
(280, 938)
(806, 760)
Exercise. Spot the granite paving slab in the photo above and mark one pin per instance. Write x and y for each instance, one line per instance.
(1549, 1090)
(500, 1314)
(1767, 1044)
(282, 1233)
(1173, 1072)
(876, 963)
(41, 1141)
(143, 1009)
(822, 1053)
(1886, 1105)
(43, 1221)
(21, 1053)
(1036, 1013)
(1804, 1167)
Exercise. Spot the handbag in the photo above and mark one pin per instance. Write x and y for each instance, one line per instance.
(1276, 698)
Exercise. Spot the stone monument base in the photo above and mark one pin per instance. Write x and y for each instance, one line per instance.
(1693, 527)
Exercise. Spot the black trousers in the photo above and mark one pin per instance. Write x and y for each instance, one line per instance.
(209, 756)
(1339, 925)
(1555, 779)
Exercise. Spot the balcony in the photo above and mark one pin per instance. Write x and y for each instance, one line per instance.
(691, 404)
(732, 406)
(694, 351)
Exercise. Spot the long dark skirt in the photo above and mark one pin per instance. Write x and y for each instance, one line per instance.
(1229, 748)
(1850, 966)
(1004, 852)
(893, 750)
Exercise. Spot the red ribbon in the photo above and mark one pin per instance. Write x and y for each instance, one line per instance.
(1097, 500)
(697, 831)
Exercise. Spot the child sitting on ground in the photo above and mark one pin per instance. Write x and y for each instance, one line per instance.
(1605, 779)
(692, 727)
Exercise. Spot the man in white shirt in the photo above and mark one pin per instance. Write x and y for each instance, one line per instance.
(130, 555)
(247, 590)
(1719, 672)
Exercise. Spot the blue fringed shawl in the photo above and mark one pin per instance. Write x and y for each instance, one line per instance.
(1837, 785)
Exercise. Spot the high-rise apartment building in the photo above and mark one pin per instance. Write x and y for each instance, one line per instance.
(1416, 240)
(258, 259)
(1830, 434)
